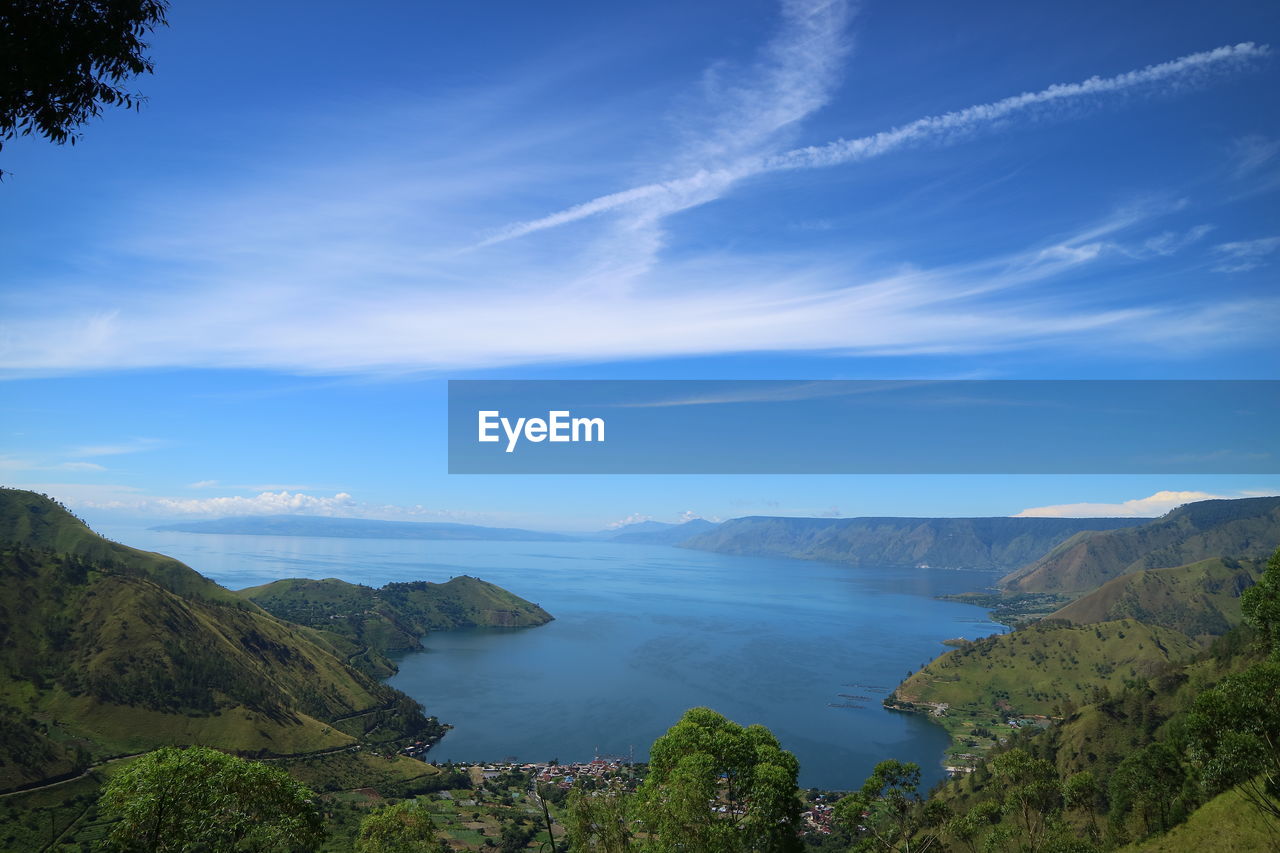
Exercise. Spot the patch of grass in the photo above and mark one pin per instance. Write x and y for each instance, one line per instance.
(1225, 824)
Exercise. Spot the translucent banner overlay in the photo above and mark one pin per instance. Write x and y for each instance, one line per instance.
(864, 427)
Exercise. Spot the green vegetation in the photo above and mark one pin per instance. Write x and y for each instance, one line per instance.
(198, 798)
(112, 651)
(888, 813)
(1200, 600)
(66, 61)
(1040, 669)
(1013, 609)
(1150, 762)
(395, 617)
(35, 521)
(717, 787)
(1225, 824)
(1248, 528)
(1084, 732)
(405, 827)
(1233, 728)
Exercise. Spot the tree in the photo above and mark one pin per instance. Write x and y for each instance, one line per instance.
(716, 787)
(598, 821)
(1261, 605)
(969, 827)
(1234, 734)
(1032, 792)
(1234, 729)
(1147, 785)
(891, 811)
(1080, 793)
(200, 798)
(405, 827)
(62, 61)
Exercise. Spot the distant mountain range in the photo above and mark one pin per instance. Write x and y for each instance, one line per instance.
(641, 533)
(969, 543)
(659, 532)
(1245, 528)
(357, 528)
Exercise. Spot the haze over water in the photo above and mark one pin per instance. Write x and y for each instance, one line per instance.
(642, 633)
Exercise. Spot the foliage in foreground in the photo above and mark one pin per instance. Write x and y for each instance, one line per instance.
(200, 798)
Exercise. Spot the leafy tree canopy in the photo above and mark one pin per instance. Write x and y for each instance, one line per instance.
(888, 813)
(1234, 729)
(717, 787)
(1261, 605)
(62, 61)
(200, 798)
(405, 827)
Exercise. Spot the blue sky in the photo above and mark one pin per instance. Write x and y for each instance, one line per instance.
(259, 284)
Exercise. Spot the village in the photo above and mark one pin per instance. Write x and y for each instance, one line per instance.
(600, 772)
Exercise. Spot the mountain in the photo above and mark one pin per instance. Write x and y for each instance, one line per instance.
(1200, 600)
(357, 528)
(38, 522)
(1247, 528)
(971, 543)
(396, 616)
(108, 650)
(1117, 726)
(1037, 669)
(660, 533)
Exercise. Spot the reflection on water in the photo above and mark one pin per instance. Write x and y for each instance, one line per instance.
(642, 633)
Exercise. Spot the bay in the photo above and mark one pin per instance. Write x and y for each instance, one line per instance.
(642, 633)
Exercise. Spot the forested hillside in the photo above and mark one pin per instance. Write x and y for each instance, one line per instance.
(108, 650)
(396, 616)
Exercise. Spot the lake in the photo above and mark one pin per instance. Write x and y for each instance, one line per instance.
(643, 632)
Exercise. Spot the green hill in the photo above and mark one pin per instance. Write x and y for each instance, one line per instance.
(1225, 824)
(1248, 528)
(395, 617)
(39, 522)
(1202, 599)
(108, 650)
(974, 543)
(1114, 726)
(1038, 669)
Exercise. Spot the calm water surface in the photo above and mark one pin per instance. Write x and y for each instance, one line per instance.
(642, 633)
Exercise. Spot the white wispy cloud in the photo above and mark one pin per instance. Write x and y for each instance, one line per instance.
(22, 463)
(1252, 152)
(739, 121)
(640, 517)
(1245, 255)
(339, 505)
(137, 445)
(1170, 242)
(354, 267)
(1151, 506)
(952, 127)
(79, 466)
(632, 518)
